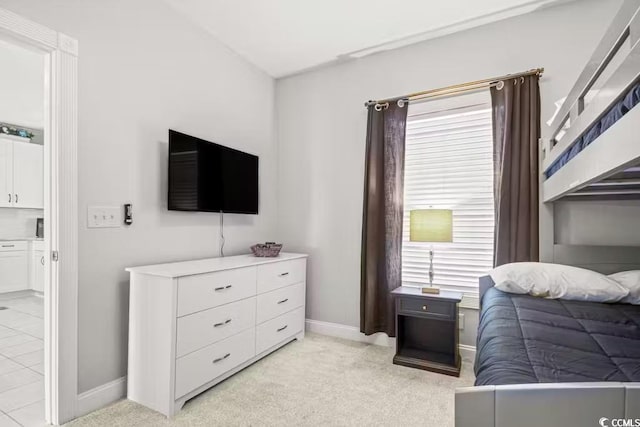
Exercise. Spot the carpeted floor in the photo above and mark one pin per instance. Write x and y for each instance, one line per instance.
(320, 381)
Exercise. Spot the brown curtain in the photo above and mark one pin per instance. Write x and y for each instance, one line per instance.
(516, 129)
(382, 218)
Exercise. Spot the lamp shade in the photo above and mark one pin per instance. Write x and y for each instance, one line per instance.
(431, 225)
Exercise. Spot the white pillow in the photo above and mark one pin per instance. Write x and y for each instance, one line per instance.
(631, 281)
(557, 281)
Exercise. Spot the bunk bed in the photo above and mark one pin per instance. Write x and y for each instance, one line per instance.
(594, 149)
(593, 153)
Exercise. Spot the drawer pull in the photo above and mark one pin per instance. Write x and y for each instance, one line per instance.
(424, 308)
(283, 328)
(226, 322)
(8, 246)
(283, 301)
(222, 288)
(283, 274)
(220, 359)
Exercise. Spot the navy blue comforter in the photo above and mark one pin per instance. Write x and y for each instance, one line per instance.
(524, 339)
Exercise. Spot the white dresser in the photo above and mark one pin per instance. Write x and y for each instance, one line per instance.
(193, 324)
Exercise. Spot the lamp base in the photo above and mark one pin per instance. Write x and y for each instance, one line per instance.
(431, 290)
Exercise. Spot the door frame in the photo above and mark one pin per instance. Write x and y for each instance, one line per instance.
(60, 209)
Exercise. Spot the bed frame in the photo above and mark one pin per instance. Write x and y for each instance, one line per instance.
(555, 404)
(608, 167)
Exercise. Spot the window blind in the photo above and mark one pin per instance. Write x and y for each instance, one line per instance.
(448, 165)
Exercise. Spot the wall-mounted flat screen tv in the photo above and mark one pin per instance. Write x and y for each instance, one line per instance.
(208, 177)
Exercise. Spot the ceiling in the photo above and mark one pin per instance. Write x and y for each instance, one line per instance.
(285, 37)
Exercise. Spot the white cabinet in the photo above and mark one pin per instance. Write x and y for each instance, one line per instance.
(13, 266)
(37, 269)
(28, 175)
(21, 174)
(6, 173)
(193, 324)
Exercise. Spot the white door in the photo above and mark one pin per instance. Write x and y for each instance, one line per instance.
(6, 173)
(13, 271)
(28, 175)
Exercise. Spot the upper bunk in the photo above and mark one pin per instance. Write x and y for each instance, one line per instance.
(594, 149)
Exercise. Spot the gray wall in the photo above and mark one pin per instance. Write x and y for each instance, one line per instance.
(321, 130)
(143, 68)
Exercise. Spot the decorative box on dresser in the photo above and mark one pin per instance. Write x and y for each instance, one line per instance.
(193, 324)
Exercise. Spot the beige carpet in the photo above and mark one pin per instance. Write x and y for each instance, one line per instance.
(320, 381)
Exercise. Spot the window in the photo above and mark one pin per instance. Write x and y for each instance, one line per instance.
(449, 165)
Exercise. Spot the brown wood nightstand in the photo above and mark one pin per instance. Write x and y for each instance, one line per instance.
(427, 330)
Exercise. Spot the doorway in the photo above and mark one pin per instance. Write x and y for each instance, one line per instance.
(38, 225)
(22, 239)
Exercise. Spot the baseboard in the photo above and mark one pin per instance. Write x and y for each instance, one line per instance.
(347, 332)
(101, 396)
(20, 294)
(467, 352)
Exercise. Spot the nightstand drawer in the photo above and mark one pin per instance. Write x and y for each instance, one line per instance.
(427, 308)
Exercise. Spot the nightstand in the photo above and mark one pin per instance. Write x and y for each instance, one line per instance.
(427, 330)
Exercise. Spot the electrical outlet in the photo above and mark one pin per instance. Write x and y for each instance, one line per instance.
(103, 217)
(460, 321)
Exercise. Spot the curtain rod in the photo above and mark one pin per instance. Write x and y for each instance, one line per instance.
(455, 89)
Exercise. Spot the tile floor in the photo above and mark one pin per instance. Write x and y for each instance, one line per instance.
(21, 361)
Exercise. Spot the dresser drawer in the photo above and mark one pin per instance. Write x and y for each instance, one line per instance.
(273, 304)
(280, 274)
(13, 245)
(279, 329)
(204, 365)
(209, 290)
(206, 327)
(434, 309)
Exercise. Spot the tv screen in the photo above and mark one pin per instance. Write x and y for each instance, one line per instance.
(208, 177)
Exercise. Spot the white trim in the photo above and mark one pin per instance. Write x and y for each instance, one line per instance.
(101, 396)
(467, 352)
(61, 211)
(29, 32)
(462, 25)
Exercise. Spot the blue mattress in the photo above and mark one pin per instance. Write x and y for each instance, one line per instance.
(613, 114)
(524, 339)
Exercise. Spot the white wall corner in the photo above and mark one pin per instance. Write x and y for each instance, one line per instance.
(101, 396)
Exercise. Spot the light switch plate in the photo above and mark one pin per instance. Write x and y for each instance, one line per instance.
(103, 216)
(461, 321)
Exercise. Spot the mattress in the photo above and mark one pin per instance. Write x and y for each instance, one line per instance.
(630, 99)
(524, 339)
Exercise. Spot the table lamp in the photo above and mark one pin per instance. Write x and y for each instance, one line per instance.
(433, 226)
